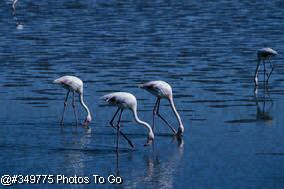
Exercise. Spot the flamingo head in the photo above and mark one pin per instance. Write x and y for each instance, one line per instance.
(150, 139)
(180, 131)
(87, 121)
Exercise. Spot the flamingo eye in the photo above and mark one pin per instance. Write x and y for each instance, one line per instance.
(112, 100)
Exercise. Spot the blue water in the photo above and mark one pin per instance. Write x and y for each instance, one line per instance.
(205, 50)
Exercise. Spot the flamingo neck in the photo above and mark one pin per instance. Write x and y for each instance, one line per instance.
(181, 127)
(84, 105)
(150, 131)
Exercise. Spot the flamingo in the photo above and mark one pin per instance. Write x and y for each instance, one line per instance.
(75, 85)
(263, 55)
(124, 100)
(14, 6)
(161, 89)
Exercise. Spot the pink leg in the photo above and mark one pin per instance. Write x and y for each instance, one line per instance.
(65, 104)
(118, 129)
(111, 121)
(264, 72)
(74, 108)
(122, 134)
(270, 71)
(166, 122)
(155, 112)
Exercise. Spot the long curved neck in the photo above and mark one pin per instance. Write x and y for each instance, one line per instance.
(176, 113)
(141, 122)
(84, 105)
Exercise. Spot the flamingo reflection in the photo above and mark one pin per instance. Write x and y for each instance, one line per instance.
(264, 104)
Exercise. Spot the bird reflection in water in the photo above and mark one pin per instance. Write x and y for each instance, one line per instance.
(157, 165)
(74, 149)
(264, 104)
(180, 141)
(117, 164)
(121, 155)
(161, 168)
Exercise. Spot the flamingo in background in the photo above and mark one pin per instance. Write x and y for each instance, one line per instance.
(74, 84)
(263, 55)
(14, 6)
(124, 100)
(161, 90)
(19, 24)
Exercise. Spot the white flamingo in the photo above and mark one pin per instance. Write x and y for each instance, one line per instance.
(124, 100)
(14, 5)
(263, 55)
(74, 84)
(161, 90)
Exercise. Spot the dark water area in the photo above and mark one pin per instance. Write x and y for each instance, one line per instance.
(207, 52)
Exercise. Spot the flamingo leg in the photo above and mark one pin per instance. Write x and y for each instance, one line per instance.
(111, 121)
(155, 112)
(65, 104)
(122, 134)
(74, 108)
(256, 74)
(166, 122)
(118, 129)
(117, 164)
(264, 70)
(272, 68)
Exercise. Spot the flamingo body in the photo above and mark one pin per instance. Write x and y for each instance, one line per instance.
(263, 55)
(162, 89)
(74, 84)
(124, 100)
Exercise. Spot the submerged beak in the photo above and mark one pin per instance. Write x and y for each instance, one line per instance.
(180, 132)
(149, 142)
(86, 123)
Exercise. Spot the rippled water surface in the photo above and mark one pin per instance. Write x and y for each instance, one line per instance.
(205, 50)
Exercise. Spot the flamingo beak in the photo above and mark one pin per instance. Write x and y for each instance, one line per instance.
(149, 142)
(86, 123)
(180, 131)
